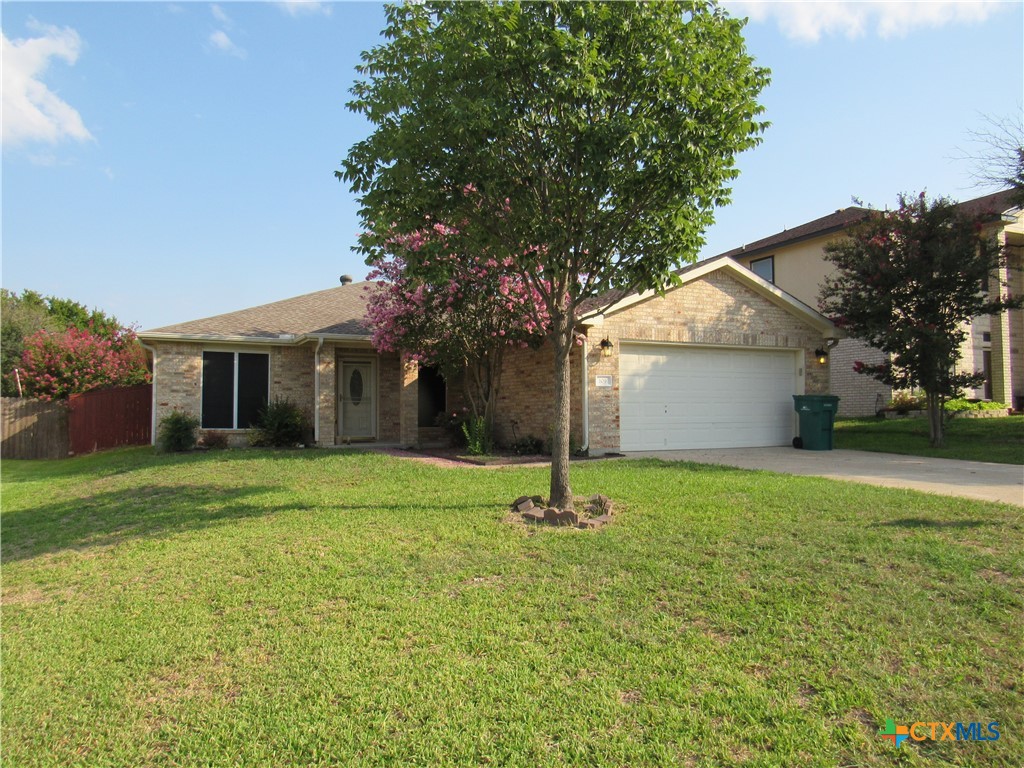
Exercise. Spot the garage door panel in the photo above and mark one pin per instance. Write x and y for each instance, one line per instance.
(685, 397)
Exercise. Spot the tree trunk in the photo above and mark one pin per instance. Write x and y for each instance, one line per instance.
(935, 435)
(562, 340)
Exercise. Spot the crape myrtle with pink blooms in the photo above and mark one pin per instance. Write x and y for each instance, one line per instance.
(908, 282)
(598, 138)
(454, 310)
(56, 365)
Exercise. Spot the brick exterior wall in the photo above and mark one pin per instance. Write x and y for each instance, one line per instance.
(292, 376)
(1007, 332)
(714, 310)
(179, 372)
(526, 396)
(178, 380)
(859, 395)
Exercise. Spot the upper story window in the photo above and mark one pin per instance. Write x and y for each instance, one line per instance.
(236, 386)
(764, 268)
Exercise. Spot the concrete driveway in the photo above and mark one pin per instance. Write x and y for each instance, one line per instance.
(969, 479)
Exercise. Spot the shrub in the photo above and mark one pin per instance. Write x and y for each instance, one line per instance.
(962, 404)
(907, 401)
(575, 449)
(178, 432)
(528, 446)
(282, 424)
(479, 441)
(452, 423)
(214, 440)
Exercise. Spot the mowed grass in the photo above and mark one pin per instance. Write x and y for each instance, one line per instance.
(324, 608)
(999, 440)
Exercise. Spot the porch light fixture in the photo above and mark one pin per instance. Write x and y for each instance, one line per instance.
(822, 356)
(606, 347)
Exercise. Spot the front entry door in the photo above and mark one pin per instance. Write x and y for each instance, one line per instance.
(356, 408)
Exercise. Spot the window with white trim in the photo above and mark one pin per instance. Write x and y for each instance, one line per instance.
(236, 387)
(764, 268)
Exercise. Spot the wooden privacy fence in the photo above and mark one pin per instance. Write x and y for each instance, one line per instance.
(91, 421)
(33, 429)
(108, 418)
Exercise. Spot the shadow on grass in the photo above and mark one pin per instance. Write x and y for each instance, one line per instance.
(154, 511)
(921, 522)
(113, 517)
(119, 461)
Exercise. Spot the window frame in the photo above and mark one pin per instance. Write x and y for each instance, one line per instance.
(770, 260)
(234, 384)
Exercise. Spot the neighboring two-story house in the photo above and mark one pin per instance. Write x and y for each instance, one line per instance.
(794, 261)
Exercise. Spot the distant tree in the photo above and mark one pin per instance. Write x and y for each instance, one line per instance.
(56, 365)
(908, 282)
(606, 132)
(20, 317)
(999, 160)
(459, 312)
(24, 315)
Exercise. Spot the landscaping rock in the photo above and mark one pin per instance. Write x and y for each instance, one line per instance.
(520, 500)
(591, 523)
(599, 500)
(560, 516)
(534, 515)
(525, 506)
(601, 519)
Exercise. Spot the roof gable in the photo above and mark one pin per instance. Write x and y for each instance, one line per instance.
(744, 276)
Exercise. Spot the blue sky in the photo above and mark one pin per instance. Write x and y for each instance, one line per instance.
(169, 161)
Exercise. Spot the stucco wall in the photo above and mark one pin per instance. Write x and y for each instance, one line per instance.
(799, 268)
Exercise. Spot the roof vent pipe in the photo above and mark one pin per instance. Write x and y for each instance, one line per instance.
(346, 279)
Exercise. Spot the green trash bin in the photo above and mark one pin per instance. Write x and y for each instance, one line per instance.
(817, 414)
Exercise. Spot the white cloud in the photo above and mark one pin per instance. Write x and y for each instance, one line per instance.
(304, 7)
(220, 15)
(222, 42)
(31, 111)
(810, 21)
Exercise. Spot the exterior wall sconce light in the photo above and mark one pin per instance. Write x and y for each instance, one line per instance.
(606, 347)
(822, 356)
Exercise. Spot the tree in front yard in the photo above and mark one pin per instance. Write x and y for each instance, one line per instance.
(585, 145)
(908, 283)
(56, 365)
(457, 311)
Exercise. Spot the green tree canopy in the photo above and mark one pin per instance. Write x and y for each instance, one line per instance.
(587, 142)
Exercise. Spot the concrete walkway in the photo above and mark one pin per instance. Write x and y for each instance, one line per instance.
(969, 479)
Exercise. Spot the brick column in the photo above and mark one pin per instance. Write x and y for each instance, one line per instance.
(409, 402)
(1002, 367)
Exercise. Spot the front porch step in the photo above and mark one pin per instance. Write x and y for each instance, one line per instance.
(433, 437)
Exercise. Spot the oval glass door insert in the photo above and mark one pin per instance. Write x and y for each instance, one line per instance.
(355, 387)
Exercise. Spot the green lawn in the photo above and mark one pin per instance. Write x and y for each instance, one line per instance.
(324, 608)
(1000, 440)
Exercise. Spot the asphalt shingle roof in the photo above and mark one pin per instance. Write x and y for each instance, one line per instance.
(339, 310)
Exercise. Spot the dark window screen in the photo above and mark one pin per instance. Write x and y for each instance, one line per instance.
(218, 389)
(252, 388)
(764, 268)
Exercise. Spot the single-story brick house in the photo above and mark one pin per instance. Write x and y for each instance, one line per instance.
(713, 362)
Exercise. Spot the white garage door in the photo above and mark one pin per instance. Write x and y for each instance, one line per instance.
(686, 397)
